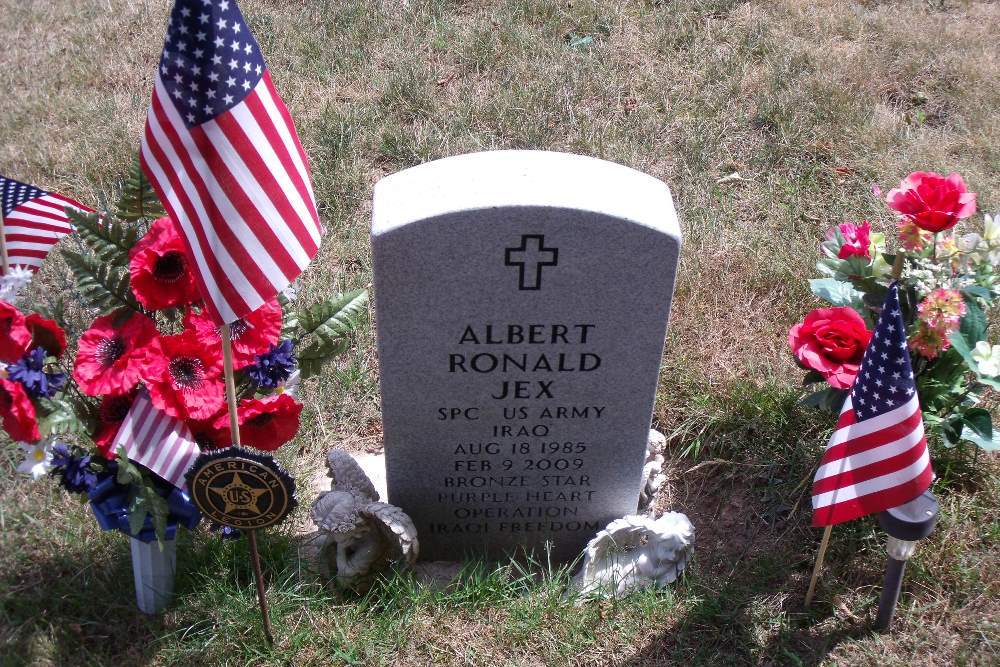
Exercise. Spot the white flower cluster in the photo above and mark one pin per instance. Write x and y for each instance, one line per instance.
(17, 278)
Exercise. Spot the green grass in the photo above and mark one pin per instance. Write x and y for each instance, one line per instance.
(812, 103)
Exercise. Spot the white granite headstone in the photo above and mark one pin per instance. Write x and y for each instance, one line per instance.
(522, 300)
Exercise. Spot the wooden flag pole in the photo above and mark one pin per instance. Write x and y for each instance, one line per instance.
(897, 271)
(819, 564)
(234, 424)
(3, 246)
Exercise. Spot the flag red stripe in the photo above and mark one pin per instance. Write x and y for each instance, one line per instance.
(32, 211)
(185, 212)
(870, 471)
(255, 222)
(70, 202)
(31, 224)
(225, 286)
(290, 125)
(876, 439)
(264, 120)
(26, 252)
(232, 244)
(876, 501)
(846, 419)
(238, 137)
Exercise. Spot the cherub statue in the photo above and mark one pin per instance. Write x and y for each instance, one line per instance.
(359, 537)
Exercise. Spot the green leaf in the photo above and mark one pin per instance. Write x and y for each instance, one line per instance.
(963, 348)
(978, 291)
(989, 444)
(973, 325)
(812, 377)
(137, 510)
(980, 421)
(108, 238)
(990, 381)
(829, 399)
(333, 318)
(128, 473)
(312, 356)
(104, 286)
(138, 199)
(837, 293)
(60, 418)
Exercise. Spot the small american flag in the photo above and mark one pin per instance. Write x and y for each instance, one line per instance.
(33, 221)
(222, 153)
(877, 458)
(162, 443)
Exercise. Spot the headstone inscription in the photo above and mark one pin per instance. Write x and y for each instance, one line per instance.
(522, 300)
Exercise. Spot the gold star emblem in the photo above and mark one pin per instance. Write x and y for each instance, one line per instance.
(238, 495)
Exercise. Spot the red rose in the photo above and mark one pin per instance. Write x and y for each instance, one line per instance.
(18, 412)
(113, 411)
(251, 335)
(14, 335)
(107, 359)
(831, 341)
(857, 240)
(45, 333)
(266, 423)
(932, 201)
(160, 269)
(184, 376)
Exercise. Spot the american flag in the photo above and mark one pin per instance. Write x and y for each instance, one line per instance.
(221, 151)
(33, 221)
(162, 443)
(877, 458)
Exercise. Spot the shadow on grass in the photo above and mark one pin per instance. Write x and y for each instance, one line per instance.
(73, 608)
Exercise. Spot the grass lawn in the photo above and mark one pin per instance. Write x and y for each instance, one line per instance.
(812, 103)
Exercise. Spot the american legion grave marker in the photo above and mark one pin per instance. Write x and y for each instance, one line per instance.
(522, 300)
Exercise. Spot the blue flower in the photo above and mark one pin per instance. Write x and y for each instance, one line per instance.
(30, 372)
(225, 532)
(74, 472)
(274, 366)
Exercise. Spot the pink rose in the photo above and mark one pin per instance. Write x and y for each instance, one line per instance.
(857, 240)
(831, 341)
(932, 201)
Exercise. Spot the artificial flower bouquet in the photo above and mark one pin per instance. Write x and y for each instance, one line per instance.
(947, 282)
(150, 333)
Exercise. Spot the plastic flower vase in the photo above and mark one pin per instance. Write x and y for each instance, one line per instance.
(153, 569)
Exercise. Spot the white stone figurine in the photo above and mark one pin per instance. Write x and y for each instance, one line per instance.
(636, 552)
(652, 471)
(358, 537)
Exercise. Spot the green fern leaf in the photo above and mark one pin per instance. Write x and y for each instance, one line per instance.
(315, 354)
(104, 286)
(333, 318)
(323, 331)
(60, 418)
(138, 199)
(108, 238)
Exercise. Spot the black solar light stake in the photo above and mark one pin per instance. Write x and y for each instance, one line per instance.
(905, 525)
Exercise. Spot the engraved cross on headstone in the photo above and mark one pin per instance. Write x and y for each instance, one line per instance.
(530, 257)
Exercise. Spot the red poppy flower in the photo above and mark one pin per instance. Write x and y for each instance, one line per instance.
(184, 376)
(251, 335)
(45, 333)
(266, 423)
(210, 436)
(107, 360)
(113, 411)
(18, 412)
(160, 269)
(14, 335)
